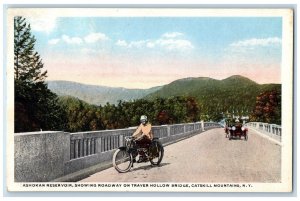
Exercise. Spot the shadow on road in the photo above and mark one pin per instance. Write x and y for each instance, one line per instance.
(240, 139)
(148, 167)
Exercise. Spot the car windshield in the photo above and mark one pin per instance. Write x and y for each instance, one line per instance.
(233, 122)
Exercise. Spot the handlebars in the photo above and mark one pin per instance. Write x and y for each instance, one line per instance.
(128, 138)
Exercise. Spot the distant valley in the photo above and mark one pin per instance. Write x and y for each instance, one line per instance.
(97, 95)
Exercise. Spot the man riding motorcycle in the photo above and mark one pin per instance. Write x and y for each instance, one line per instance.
(143, 136)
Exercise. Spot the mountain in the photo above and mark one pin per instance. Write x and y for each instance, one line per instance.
(233, 93)
(97, 94)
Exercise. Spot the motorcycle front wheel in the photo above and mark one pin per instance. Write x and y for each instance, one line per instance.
(157, 153)
(122, 160)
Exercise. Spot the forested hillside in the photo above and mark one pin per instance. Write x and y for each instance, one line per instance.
(81, 116)
(234, 94)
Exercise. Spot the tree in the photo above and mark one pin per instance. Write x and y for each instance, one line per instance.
(36, 107)
(267, 108)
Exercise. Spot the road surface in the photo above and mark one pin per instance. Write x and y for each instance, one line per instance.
(207, 157)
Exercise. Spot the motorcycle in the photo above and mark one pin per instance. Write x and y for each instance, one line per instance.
(124, 156)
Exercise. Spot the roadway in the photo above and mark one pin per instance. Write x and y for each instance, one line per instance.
(207, 157)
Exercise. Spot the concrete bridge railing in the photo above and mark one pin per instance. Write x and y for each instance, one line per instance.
(60, 156)
(271, 130)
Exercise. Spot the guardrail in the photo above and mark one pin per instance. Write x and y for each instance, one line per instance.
(271, 130)
(88, 143)
(54, 156)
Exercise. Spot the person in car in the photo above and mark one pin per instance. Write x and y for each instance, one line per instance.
(237, 123)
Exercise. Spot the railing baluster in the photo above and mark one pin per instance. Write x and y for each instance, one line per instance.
(92, 145)
(72, 149)
(115, 141)
(76, 149)
(89, 146)
(110, 143)
(106, 143)
(102, 144)
(80, 148)
(84, 147)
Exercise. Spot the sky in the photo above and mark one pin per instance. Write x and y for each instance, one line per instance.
(143, 52)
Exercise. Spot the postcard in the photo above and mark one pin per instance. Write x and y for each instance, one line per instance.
(149, 99)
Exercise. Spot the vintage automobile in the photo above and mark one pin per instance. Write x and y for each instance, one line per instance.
(236, 130)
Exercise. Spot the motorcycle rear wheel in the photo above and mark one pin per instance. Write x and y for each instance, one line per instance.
(158, 154)
(122, 160)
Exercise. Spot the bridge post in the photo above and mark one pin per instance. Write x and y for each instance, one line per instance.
(271, 129)
(41, 156)
(169, 130)
(202, 125)
(121, 140)
(98, 145)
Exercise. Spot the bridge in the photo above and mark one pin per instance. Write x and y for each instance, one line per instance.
(194, 152)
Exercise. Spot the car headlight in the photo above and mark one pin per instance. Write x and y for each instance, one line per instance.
(233, 128)
(243, 128)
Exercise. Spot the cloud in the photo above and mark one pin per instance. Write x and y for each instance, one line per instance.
(168, 41)
(137, 44)
(254, 51)
(90, 38)
(54, 41)
(94, 37)
(150, 44)
(42, 24)
(172, 34)
(71, 40)
(133, 44)
(257, 42)
(121, 43)
(174, 44)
